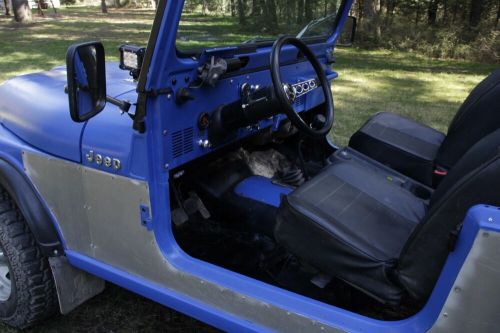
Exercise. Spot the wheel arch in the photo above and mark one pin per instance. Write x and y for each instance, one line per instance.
(35, 213)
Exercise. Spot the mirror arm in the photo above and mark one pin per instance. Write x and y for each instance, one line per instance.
(124, 106)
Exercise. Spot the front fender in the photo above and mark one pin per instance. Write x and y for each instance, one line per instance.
(33, 210)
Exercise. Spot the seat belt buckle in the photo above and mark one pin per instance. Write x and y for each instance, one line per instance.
(438, 174)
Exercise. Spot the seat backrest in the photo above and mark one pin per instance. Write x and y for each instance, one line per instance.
(478, 116)
(475, 179)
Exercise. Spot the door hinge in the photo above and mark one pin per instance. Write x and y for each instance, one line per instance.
(146, 220)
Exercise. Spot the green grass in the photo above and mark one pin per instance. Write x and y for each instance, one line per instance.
(427, 90)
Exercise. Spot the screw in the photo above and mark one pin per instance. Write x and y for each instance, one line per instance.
(164, 132)
(169, 96)
(98, 159)
(445, 314)
(56, 253)
(166, 166)
(490, 219)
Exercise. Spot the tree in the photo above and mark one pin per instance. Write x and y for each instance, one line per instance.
(476, 10)
(7, 9)
(371, 18)
(104, 7)
(22, 11)
(432, 12)
(241, 12)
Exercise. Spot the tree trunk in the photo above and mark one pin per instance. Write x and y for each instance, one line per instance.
(498, 15)
(241, 12)
(104, 7)
(22, 11)
(7, 9)
(371, 18)
(300, 11)
(271, 16)
(445, 11)
(233, 9)
(309, 10)
(432, 10)
(476, 10)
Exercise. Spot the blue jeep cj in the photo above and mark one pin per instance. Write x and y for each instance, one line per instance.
(205, 179)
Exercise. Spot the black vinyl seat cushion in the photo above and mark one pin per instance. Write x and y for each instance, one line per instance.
(401, 143)
(416, 150)
(351, 223)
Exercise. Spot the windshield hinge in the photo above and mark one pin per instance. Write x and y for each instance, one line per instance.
(158, 92)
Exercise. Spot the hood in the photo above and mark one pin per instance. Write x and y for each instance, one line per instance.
(35, 108)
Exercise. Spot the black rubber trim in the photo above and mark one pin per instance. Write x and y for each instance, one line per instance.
(36, 215)
(140, 112)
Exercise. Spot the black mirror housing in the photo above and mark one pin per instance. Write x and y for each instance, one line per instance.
(348, 34)
(86, 70)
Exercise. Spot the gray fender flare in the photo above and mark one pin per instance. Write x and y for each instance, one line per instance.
(32, 208)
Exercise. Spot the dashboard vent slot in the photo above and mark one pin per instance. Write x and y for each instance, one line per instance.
(182, 142)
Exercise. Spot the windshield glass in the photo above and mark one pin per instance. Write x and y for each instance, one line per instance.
(214, 23)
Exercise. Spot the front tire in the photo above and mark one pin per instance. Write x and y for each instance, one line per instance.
(32, 295)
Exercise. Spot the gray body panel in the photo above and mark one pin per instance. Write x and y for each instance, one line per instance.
(472, 304)
(98, 215)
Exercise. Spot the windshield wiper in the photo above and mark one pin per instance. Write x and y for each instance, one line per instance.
(258, 39)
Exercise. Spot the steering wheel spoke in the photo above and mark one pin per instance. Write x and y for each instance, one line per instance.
(287, 93)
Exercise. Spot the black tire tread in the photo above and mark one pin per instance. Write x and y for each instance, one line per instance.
(36, 298)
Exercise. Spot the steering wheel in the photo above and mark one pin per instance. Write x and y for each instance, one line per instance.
(287, 93)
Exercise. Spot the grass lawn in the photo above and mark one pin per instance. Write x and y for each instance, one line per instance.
(427, 90)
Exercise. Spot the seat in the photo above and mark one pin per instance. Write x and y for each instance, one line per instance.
(417, 150)
(352, 223)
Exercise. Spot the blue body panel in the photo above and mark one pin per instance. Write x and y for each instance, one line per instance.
(35, 108)
(262, 189)
(110, 134)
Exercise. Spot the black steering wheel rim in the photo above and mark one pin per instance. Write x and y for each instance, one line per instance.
(282, 95)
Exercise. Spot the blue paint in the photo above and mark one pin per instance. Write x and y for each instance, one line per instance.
(262, 189)
(35, 108)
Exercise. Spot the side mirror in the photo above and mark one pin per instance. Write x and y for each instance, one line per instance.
(85, 65)
(348, 32)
